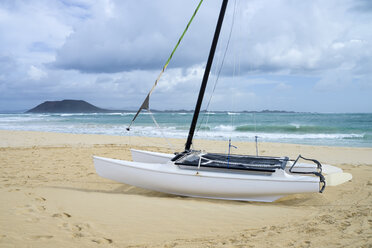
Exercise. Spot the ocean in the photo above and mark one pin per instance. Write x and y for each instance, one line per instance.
(351, 130)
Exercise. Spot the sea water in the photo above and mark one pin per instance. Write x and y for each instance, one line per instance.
(353, 130)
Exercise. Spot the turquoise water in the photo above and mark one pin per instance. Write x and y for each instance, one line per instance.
(353, 130)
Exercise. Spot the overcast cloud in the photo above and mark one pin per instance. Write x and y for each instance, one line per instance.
(289, 55)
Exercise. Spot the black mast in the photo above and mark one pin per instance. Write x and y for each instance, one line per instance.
(206, 75)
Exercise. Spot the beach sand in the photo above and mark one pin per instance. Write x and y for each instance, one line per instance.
(50, 196)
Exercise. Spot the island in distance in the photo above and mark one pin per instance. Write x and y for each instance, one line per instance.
(80, 106)
(67, 106)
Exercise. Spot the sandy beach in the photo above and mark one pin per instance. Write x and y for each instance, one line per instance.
(51, 197)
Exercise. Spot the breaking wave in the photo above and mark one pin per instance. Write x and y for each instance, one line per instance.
(291, 128)
(326, 129)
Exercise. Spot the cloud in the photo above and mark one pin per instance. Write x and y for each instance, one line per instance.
(300, 38)
(35, 73)
(282, 87)
(126, 39)
(6, 65)
(334, 81)
(363, 6)
(110, 52)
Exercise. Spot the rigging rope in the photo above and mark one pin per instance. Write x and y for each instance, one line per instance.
(145, 104)
(232, 103)
(219, 71)
(161, 131)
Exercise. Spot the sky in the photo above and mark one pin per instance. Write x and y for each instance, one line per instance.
(306, 56)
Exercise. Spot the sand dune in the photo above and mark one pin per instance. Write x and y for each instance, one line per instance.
(51, 197)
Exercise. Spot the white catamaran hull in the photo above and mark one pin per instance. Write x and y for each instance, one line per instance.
(248, 178)
(334, 176)
(169, 178)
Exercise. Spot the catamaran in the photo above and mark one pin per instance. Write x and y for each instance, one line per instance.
(219, 176)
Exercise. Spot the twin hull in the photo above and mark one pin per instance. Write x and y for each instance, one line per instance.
(164, 176)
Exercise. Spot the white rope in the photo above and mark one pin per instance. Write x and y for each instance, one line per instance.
(232, 104)
(161, 131)
(220, 68)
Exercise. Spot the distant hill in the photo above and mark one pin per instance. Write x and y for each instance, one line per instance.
(67, 106)
(80, 106)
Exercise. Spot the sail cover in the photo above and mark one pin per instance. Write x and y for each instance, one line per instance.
(146, 102)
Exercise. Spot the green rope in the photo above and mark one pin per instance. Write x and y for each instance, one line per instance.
(145, 104)
(184, 32)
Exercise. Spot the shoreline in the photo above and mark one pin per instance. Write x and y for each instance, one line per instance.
(355, 155)
(122, 138)
(340, 130)
(51, 196)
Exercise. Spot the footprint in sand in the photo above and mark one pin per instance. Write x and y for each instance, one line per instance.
(78, 230)
(32, 219)
(81, 230)
(102, 241)
(29, 209)
(40, 199)
(62, 215)
(14, 190)
(38, 237)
